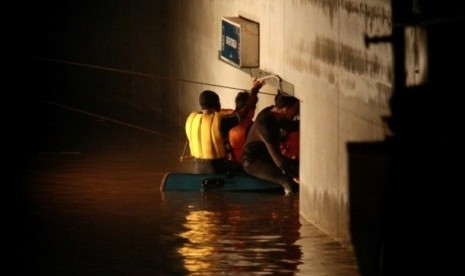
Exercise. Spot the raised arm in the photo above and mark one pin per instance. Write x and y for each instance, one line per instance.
(252, 100)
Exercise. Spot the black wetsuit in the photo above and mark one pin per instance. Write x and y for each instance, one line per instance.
(261, 155)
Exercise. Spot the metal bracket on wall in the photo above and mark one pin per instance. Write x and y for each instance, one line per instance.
(271, 79)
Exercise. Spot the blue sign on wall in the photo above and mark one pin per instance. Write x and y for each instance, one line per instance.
(230, 42)
(239, 42)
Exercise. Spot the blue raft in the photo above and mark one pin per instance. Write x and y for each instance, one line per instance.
(238, 182)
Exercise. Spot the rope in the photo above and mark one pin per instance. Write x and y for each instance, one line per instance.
(183, 155)
(111, 120)
(140, 74)
(131, 72)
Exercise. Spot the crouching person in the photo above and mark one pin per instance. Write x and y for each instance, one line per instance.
(262, 156)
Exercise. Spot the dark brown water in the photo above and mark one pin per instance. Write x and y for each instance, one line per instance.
(98, 210)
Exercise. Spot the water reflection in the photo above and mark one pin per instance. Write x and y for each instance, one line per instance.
(103, 214)
(254, 234)
(201, 232)
(89, 204)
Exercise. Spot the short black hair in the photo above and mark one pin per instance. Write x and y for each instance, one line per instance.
(241, 99)
(281, 100)
(209, 99)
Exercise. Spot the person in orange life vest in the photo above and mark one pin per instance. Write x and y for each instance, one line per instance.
(290, 144)
(238, 134)
(207, 130)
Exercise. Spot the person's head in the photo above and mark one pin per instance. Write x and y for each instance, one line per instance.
(209, 100)
(289, 104)
(241, 99)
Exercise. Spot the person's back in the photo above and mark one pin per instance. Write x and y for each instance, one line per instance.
(208, 129)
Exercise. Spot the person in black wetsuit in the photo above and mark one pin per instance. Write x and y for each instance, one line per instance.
(261, 155)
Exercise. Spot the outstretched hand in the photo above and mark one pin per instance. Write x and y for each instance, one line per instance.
(257, 84)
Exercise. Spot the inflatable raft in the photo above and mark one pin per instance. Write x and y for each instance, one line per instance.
(239, 182)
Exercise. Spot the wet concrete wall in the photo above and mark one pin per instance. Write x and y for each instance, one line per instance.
(345, 88)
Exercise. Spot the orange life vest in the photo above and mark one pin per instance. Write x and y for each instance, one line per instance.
(238, 135)
(290, 146)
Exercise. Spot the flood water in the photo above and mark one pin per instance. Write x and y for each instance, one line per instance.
(87, 210)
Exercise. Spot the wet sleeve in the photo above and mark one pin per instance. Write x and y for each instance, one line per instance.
(228, 122)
